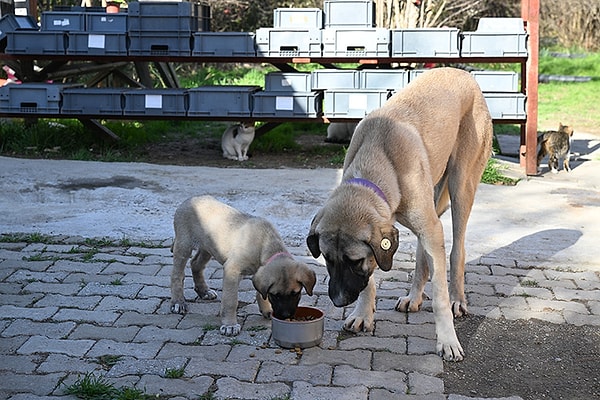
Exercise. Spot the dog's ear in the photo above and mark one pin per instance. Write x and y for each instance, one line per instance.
(262, 282)
(308, 279)
(384, 244)
(312, 240)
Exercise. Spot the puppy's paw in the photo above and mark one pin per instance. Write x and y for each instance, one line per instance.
(450, 351)
(230, 330)
(459, 309)
(179, 307)
(359, 323)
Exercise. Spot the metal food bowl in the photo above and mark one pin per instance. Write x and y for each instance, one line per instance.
(304, 330)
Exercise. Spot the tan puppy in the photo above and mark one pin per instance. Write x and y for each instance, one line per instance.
(425, 148)
(244, 245)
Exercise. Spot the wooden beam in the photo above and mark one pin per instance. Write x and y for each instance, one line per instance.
(530, 12)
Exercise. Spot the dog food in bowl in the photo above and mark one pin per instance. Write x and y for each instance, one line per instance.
(304, 329)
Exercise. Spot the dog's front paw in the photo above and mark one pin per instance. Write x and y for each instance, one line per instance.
(359, 323)
(459, 309)
(206, 294)
(408, 304)
(179, 307)
(230, 330)
(451, 350)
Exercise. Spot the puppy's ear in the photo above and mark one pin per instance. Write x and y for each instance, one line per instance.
(308, 279)
(262, 282)
(312, 240)
(384, 244)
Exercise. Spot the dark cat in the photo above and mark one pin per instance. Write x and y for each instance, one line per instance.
(557, 145)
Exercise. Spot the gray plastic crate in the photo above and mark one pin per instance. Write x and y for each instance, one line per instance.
(221, 101)
(495, 37)
(63, 21)
(392, 79)
(11, 23)
(97, 44)
(166, 102)
(426, 42)
(288, 82)
(224, 44)
(349, 13)
(30, 98)
(497, 81)
(506, 105)
(323, 79)
(159, 44)
(106, 22)
(162, 8)
(340, 103)
(34, 42)
(366, 42)
(288, 104)
(92, 101)
(303, 18)
(279, 42)
(169, 16)
(414, 74)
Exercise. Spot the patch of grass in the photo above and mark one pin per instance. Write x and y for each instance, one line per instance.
(108, 360)
(492, 175)
(279, 139)
(26, 238)
(530, 283)
(575, 104)
(116, 282)
(174, 373)
(92, 387)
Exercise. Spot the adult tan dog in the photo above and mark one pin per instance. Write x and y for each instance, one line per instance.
(244, 245)
(424, 149)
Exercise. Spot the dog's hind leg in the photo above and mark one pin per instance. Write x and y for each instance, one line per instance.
(181, 254)
(198, 264)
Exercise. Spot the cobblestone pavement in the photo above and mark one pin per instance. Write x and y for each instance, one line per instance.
(73, 305)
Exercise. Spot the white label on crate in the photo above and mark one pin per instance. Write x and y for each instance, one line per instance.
(153, 101)
(61, 22)
(284, 103)
(286, 82)
(95, 41)
(357, 101)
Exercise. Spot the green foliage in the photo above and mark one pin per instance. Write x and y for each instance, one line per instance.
(278, 139)
(92, 387)
(174, 373)
(578, 64)
(492, 175)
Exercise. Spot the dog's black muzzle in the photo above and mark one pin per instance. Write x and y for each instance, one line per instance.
(345, 284)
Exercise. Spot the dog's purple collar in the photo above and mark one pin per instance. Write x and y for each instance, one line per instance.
(281, 253)
(369, 184)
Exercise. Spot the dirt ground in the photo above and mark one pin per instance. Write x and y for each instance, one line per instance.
(314, 152)
(531, 359)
